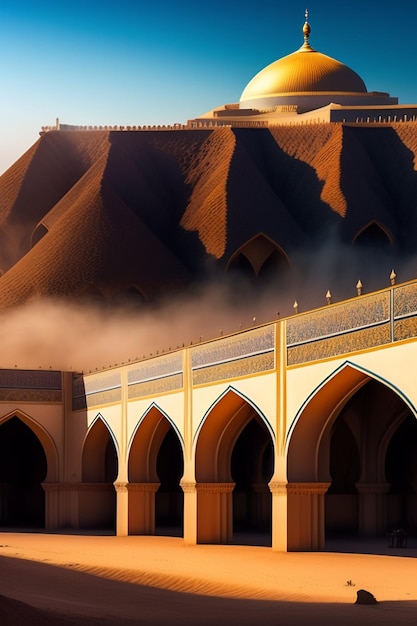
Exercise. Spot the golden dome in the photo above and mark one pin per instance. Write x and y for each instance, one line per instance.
(304, 71)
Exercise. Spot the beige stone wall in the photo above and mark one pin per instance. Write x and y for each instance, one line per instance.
(293, 376)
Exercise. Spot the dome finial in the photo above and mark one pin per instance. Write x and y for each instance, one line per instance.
(306, 31)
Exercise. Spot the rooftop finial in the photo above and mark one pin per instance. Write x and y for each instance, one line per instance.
(306, 31)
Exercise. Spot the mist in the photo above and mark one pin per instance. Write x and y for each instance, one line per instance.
(63, 335)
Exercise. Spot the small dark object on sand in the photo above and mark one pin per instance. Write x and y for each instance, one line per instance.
(365, 597)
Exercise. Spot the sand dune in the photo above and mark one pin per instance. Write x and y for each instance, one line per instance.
(64, 579)
(149, 209)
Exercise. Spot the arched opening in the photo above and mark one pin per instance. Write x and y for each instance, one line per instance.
(23, 468)
(234, 464)
(241, 266)
(169, 499)
(260, 260)
(91, 296)
(251, 468)
(364, 467)
(342, 496)
(355, 446)
(129, 299)
(373, 236)
(99, 471)
(401, 474)
(155, 468)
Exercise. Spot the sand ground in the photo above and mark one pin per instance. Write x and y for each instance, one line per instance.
(68, 579)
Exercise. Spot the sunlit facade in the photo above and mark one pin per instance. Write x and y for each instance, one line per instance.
(285, 435)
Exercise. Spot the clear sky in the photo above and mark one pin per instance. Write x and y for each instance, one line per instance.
(161, 62)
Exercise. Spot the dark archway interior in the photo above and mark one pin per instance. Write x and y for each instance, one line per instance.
(252, 469)
(111, 465)
(373, 481)
(373, 237)
(169, 500)
(241, 266)
(345, 469)
(23, 468)
(401, 473)
(97, 503)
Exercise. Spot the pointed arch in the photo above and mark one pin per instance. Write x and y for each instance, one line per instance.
(100, 452)
(235, 403)
(338, 444)
(27, 460)
(155, 468)
(311, 426)
(45, 439)
(259, 253)
(145, 442)
(233, 466)
(97, 498)
(130, 297)
(374, 234)
(91, 295)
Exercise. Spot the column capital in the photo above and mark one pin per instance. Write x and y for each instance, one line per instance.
(278, 488)
(188, 487)
(120, 487)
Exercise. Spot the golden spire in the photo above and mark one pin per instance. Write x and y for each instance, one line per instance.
(306, 32)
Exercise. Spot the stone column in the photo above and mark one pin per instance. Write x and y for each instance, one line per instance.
(52, 497)
(190, 512)
(279, 515)
(61, 505)
(372, 508)
(141, 508)
(122, 509)
(214, 512)
(305, 517)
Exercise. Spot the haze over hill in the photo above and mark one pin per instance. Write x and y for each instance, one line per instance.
(241, 221)
(111, 215)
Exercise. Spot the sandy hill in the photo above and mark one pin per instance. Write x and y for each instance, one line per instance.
(119, 215)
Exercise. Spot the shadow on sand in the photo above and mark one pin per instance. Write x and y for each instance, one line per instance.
(44, 595)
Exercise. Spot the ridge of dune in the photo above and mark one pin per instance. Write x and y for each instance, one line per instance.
(206, 212)
(320, 146)
(202, 195)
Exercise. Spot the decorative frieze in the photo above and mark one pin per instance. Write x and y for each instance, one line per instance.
(215, 487)
(405, 300)
(307, 489)
(405, 328)
(159, 367)
(142, 487)
(340, 344)
(153, 387)
(233, 347)
(234, 369)
(112, 396)
(338, 319)
(30, 395)
(30, 379)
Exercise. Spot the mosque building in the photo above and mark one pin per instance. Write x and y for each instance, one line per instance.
(287, 433)
(307, 87)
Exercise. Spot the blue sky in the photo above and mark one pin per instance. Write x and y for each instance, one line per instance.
(160, 62)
